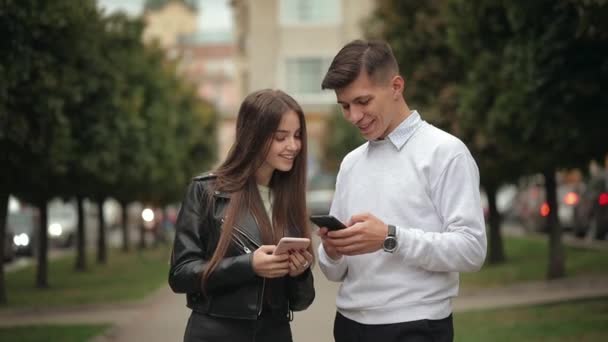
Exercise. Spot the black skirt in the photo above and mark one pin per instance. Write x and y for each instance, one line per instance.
(205, 328)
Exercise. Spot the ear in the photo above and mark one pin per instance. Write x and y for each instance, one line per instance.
(398, 86)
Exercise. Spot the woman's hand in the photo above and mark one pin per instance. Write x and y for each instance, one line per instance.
(268, 265)
(299, 261)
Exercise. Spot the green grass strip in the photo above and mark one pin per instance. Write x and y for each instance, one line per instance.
(45, 333)
(582, 320)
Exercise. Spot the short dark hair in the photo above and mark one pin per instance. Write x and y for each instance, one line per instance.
(374, 56)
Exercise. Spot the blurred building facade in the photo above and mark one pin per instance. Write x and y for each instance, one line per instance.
(204, 58)
(289, 44)
(166, 22)
(207, 60)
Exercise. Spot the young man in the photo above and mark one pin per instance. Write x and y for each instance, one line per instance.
(410, 199)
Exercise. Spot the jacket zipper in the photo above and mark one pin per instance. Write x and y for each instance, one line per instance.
(261, 304)
(239, 241)
(261, 301)
(251, 239)
(241, 244)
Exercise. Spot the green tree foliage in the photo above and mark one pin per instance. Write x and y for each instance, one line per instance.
(417, 31)
(42, 84)
(418, 34)
(340, 138)
(537, 69)
(87, 110)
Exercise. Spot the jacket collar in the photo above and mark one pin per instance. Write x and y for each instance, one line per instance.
(248, 225)
(221, 194)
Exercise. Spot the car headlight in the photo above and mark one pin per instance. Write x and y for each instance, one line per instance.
(55, 229)
(21, 240)
(148, 215)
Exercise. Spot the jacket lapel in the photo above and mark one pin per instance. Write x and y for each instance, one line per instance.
(246, 224)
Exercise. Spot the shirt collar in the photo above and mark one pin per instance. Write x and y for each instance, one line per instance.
(406, 129)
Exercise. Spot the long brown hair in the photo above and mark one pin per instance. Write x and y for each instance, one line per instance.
(258, 119)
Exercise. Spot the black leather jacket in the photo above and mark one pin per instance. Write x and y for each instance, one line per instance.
(233, 290)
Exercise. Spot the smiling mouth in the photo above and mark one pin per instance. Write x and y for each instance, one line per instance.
(290, 157)
(366, 127)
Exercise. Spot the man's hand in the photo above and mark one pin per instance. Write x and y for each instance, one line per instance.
(365, 234)
(329, 248)
(267, 265)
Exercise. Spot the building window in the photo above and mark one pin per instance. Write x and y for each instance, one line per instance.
(310, 12)
(304, 74)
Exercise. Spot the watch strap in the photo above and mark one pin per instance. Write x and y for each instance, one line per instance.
(392, 230)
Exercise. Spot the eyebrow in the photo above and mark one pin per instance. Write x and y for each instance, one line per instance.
(358, 98)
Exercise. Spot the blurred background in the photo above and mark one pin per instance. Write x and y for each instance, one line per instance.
(109, 107)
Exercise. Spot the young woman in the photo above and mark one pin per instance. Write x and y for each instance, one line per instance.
(230, 222)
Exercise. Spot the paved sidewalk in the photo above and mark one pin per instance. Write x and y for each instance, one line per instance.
(163, 316)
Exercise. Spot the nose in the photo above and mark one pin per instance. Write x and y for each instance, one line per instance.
(354, 115)
(293, 144)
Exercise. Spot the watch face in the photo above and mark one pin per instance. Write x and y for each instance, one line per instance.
(390, 244)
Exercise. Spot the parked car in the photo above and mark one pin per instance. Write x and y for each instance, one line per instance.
(505, 200)
(594, 208)
(23, 222)
(62, 221)
(531, 207)
(320, 193)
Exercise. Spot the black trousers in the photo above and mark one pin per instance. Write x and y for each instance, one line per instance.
(426, 330)
(204, 328)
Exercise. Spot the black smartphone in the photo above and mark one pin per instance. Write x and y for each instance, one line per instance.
(327, 221)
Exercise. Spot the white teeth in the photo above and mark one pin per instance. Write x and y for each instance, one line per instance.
(364, 127)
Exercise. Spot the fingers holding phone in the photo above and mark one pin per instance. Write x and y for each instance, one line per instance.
(328, 246)
(365, 234)
(269, 265)
(295, 249)
(299, 261)
(327, 221)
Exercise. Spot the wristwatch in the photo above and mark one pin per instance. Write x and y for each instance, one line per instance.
(390, 242)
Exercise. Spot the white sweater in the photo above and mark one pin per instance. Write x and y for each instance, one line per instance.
(424, 181)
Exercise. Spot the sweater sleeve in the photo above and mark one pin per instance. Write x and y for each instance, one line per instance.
(460, 245)
(334, 270)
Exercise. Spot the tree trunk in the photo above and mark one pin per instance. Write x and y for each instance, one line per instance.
(3, 216)
(162, 226)
(496, 249)
(142, 234)
(125, 227)
(81, 257)
(43, 243)
(102, 256)
(556, 248)
(142, 231)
